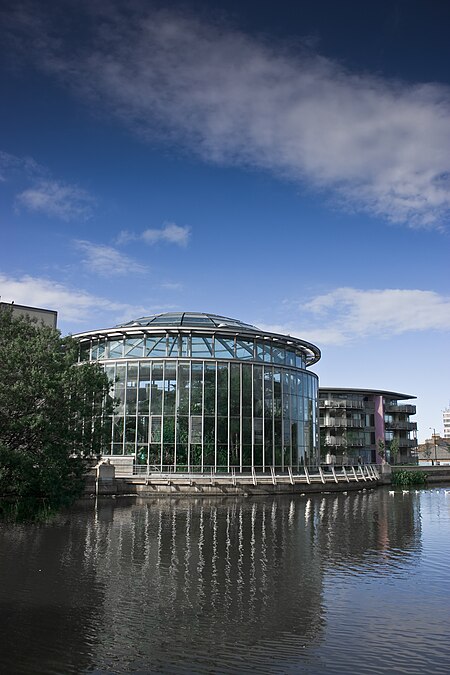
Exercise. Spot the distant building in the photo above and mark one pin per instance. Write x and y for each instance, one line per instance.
(435, 450)
(446, 421)
(46, 316)
(359, 423)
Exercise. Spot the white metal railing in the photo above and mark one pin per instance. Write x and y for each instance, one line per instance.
(360, 473)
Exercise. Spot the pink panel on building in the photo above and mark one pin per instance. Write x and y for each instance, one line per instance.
(379, 423)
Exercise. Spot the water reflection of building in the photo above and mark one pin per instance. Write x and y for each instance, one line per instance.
(208, 574)
(236, 583)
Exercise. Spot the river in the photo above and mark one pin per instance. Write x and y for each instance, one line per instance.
(324, 583)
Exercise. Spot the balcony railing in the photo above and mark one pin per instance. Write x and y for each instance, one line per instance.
(406, 426)
(407, 443)
(340, 403)
(345, 442)
(392, 407)
(339, 423)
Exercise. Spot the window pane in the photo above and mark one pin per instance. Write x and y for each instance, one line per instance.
(98, 350)
(155, 346)
(183, 389)
(196, 429)
(155, 429)
(257, 391)
(134, 347)
(115, 349)
(278, 355)
(144, 388)
(222, 389)
(246, 390)
(201, 347)
(196, 388)
(130, 429)
(235, 389)
(168, 429)
(131, 394)
(142, 429)
(170, 385)
(224, 348)
(244, 349)
(157, 388)
(173, 346)
(210, 389)
(268, 392)
(259, 353)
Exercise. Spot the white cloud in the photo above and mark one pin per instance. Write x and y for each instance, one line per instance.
(348, 314)
(57, 199)
(170, 233)
(171, 286)
(377, 145)
(107, 261)
(73, 305)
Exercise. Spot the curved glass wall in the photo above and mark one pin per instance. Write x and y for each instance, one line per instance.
(193, 346)
(200, 392)
(220, 415)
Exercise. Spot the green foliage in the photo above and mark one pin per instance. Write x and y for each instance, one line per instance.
(381, 449)
(50, 412)
(406, 478)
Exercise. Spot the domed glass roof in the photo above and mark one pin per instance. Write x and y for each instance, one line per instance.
(189, 320)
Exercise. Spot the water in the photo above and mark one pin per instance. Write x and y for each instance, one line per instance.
(331, 583)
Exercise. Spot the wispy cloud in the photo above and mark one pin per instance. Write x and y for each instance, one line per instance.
(375, 145)
(43, 193)
(106, 260)
(348, 314)
(171, 286)
(73, 305)
(57, 199)
(169, 233)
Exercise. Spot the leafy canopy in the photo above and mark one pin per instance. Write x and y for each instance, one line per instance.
(50, 411)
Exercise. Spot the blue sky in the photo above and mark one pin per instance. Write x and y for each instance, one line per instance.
(281, 163)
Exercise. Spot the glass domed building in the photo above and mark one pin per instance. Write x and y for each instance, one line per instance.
(201, 392)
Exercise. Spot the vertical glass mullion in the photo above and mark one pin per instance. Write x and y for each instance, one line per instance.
(189, 419)
(228, 414)
(215, 417)
(273, 417)
(175, 412)
(253, 416)
(203, 415)
(263, 420)
(240, 416)
(163, 396)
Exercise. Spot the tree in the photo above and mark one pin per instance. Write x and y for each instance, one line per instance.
(51, 412)
(394, 449)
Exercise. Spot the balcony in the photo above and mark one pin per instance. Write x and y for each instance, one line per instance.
(339, 404)
(342, 423)
(401, 426)
(344, 443)
(393, 408)
(407, 443)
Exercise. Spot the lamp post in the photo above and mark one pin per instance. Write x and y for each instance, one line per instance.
(435, 446)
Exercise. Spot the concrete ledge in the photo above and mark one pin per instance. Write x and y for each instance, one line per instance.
(124, 486)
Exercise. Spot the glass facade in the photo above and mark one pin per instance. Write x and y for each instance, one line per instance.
(202, 401)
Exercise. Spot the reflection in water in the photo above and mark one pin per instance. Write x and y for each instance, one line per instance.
(187, 585)
(205, 577)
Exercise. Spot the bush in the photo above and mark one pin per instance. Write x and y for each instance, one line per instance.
(406, 478)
